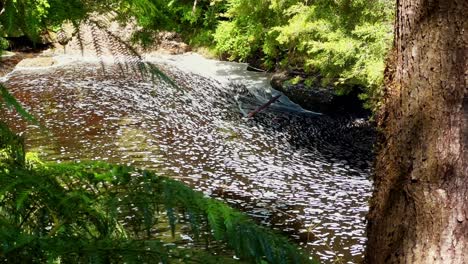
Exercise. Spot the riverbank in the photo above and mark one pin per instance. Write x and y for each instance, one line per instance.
(305, 89)
(101, 40)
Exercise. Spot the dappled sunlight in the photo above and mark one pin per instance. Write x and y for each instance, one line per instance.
(302, 173)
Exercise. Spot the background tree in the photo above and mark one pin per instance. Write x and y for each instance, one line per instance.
(419, 210)
(338, 43)
(342, 42)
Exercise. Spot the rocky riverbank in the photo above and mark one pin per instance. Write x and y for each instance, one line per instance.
(9, 60)
(93, 38)
(98, 38)
(312, 95)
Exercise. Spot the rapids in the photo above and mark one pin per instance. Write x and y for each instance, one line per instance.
(297, 171)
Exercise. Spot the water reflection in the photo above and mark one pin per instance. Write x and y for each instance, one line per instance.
(301, 173)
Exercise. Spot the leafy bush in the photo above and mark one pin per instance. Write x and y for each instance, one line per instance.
(345, 41)
(3, 44)
(195, 22)
(32, 17)
(243, 35)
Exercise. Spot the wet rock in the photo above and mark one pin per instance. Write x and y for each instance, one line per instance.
(169, 36)
(7, 54)
(96, 37)
(172, 43)
(23, 43)
(278, 79)
(111, 38)
(47, 38)
(64, 35)
(9, 60)
(174, 47)
(317, 99)
(37, 62)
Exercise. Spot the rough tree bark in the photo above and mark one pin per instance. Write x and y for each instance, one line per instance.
(419, 209)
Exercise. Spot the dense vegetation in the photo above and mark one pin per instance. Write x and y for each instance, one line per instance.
(344, 42)
(335, 43)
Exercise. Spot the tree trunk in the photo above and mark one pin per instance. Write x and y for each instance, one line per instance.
(419, 209)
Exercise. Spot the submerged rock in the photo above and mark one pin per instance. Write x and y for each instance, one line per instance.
(9, 60)
(6, 53)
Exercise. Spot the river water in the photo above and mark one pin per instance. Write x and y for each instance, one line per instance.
(300, 172)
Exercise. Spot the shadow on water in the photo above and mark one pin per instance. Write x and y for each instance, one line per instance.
(304, 174)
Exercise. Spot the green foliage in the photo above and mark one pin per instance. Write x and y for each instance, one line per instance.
(68, 10)
(236, 43)
(3, 44)
(7, 100)
(97, 212)
(345, 41)
(200, 37)
(245, 32)
(23, 17)
(33, 17)
(196, 22)
(11, 149)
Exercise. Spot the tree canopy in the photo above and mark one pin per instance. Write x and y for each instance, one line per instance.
(343, 43)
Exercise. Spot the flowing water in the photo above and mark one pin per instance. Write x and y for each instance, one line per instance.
(297, 171)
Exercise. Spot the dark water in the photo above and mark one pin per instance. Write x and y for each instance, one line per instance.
(304, 174)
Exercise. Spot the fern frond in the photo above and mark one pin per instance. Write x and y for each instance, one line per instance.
(79, 37)
(10, 102)
(98, 45)
(113, 209)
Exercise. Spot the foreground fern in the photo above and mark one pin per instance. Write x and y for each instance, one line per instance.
(97, 212)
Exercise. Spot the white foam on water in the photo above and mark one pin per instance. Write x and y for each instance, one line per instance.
(226, 73)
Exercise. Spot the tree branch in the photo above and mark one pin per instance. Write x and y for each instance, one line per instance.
(194, 7)
(272, 100)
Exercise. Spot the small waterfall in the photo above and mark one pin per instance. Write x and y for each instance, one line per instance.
(300, 172)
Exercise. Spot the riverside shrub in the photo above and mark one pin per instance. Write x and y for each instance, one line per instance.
(345, 41)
